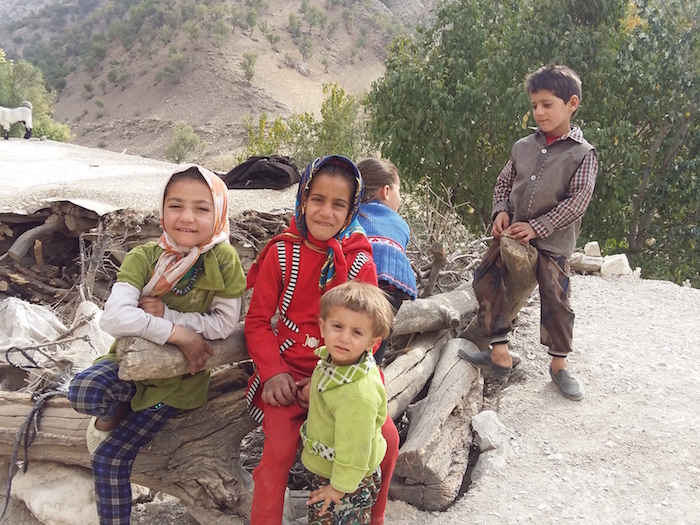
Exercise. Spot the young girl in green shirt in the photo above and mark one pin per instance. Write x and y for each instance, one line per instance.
(184, 289)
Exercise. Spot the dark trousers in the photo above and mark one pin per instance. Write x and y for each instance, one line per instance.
(556, 316)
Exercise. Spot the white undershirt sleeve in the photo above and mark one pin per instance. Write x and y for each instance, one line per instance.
(122, 316)
(218, 323)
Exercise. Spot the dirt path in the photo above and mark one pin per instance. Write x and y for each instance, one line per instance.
(630, 451)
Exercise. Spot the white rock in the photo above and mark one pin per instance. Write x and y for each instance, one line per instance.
(614, 265)
(490, 432)
(57, 494)
(592, 248)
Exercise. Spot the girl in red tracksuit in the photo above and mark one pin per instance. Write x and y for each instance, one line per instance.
(323, 247)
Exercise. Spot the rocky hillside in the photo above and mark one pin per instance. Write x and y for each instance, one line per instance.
(124, 91)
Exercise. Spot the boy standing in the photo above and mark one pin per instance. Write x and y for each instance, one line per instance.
(540, 198)
(342, 437)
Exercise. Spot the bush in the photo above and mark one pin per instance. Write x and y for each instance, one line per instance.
(248, 65)
(183, 142)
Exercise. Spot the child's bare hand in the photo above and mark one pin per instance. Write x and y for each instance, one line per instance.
(500, 223)
(152, 305)
(523, 232)
(304, 392)
(326, 494)
(279, 390)
(194, 346)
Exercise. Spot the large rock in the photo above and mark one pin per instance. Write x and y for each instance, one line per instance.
(57, 494)
(615, 265)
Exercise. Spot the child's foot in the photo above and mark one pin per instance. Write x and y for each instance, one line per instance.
(105, 425)
(94, 437)
(569, 386)
(484, 360)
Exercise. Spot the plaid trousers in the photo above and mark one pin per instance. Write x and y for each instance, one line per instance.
(96, 392)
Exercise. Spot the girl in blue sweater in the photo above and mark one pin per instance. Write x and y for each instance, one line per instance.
(387, 232)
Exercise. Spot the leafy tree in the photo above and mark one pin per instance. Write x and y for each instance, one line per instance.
(237, 18)
(248, 65)
(20, 81)
(306, 47)
(118, 74)
(251, 19)
(342, 126)
(274, 40)
(303, 137)
(193, 30)
(294, 26)
(183, 142)
(222, 31)
(452, 103)
(349, 19)
(647, 201)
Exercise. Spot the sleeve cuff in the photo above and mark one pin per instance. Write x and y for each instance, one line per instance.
(498, 208)
(542, 226)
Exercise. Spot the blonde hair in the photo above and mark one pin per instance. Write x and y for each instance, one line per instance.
(377, 173)
(361, 298)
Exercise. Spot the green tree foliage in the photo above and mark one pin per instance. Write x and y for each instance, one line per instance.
(20, 81)
(294, 26)
(647, 201)
(183, 142)
(222, 31)
(452, 103)
(306, 48)
(251, 19)
(248, 65)
(341, 130)
(193, 30)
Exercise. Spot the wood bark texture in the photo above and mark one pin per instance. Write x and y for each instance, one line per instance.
(408, 374)
(520, 262)
(445, 310)
(140, 359)
(433, 460)
(195, 457)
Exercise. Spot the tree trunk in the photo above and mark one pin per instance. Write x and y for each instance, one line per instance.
(140, 359)
(433, 460)
(409, 373)
(445, 310)
(195, 457)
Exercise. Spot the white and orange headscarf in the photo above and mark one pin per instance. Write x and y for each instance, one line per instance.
(177, 260)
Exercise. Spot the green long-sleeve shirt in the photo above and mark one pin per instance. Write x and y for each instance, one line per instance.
(346, 418)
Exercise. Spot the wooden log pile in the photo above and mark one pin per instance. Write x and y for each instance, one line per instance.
(197, 457)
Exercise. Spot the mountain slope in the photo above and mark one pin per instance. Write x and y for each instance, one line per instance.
(143, 81)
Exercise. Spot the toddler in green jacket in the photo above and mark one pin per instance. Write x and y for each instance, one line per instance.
(342, 437)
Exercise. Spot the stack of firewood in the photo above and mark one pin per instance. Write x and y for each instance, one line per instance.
(430, 389)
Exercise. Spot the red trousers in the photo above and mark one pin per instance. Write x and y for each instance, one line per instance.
(281, 428)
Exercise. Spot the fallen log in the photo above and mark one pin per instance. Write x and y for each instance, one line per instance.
(520, 261)
(24, 242)
(408, 374)
(140, 359)
(445, 310)
(195, 457)
(434, 459)
(580, 262)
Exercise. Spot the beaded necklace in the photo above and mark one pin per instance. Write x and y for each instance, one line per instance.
(198, 269)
